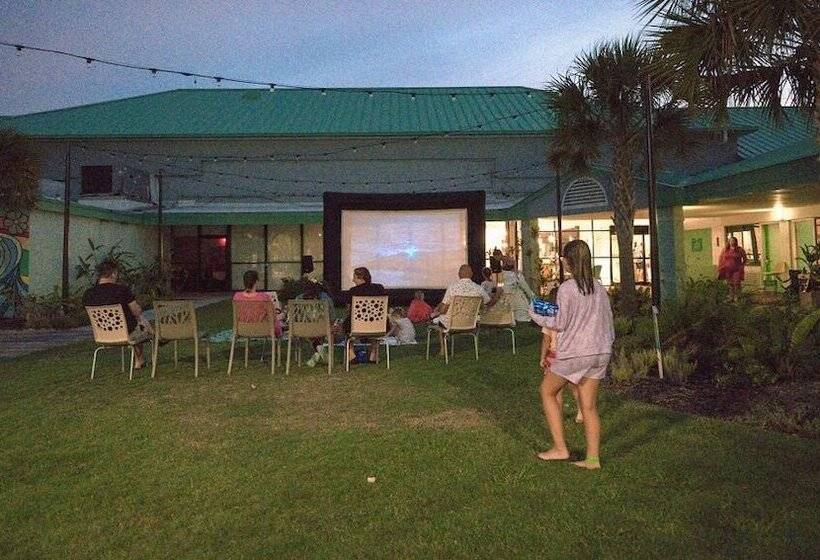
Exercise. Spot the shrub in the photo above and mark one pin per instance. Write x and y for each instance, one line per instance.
(53, 312)
(678, 365)
(633, 366)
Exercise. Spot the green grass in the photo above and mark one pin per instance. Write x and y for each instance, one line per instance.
(181, 468)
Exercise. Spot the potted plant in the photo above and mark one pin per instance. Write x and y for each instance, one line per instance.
(810, 291)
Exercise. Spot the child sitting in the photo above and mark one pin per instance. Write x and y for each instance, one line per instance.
(401, 329)
(419, 310)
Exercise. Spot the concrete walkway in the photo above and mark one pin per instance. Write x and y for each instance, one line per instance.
(14, 343)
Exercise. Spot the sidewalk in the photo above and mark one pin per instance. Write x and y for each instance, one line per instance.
(14, 343)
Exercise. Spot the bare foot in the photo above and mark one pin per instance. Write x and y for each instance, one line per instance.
(579, 418)
(588, 464)
(554, 455)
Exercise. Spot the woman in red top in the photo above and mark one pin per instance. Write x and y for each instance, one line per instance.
(251, 280)
(732, 266)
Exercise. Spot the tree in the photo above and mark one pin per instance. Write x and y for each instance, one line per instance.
(599, 108)
(744, 51)
(19, 172)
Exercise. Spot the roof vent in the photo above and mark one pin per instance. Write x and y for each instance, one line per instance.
(584, 193)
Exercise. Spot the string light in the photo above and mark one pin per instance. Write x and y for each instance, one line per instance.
(263, 83)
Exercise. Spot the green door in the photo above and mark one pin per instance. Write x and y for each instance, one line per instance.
(698, 253)
(772, 248)
(804, 235)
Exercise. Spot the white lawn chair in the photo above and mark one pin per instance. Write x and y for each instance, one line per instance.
(253, 319)
(500, 316)
(309, 319)
(368, 319)
(463, 315)
(110, 331)
(176, 320)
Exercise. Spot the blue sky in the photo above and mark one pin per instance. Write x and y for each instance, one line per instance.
(354, 44)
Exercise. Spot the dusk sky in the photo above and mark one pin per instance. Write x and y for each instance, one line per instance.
(312, 43)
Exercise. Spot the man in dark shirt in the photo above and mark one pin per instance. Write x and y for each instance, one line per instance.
(362, 286)
(107, 292)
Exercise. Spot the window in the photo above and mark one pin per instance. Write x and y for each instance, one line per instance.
(746, 236)
(97, 179)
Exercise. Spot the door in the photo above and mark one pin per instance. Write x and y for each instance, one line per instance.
(698, 253)
(214, 264)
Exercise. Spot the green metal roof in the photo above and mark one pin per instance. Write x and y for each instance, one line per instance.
(768, 136)
(227, 113)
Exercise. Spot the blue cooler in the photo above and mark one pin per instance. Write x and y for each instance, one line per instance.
(544, 307)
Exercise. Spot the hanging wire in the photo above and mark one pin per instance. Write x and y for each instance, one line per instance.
(271, 85)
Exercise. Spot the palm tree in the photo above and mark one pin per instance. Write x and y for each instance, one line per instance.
(743, 51)
(599, 106)
(19, 172)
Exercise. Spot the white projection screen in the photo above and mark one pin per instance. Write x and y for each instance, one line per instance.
(404, 249)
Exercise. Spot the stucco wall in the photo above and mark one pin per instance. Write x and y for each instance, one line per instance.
(47, 245)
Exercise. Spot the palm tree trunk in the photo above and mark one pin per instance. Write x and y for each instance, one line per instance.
(624, 218)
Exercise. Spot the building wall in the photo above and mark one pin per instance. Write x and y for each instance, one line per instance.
(779, 233)
(46, 245)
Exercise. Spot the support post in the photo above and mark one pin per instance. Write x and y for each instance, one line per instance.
(160, 229)
(652, 195)
(560, 238)
(66, 219)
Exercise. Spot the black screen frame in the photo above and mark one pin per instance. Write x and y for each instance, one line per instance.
(336, 202)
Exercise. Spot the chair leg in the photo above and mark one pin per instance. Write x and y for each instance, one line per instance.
(427, 355)
(329, 356)
(196, 357)
(154, 354)
(347, 354)
(452, 345)
(272, 355)
(94, 361)
(512, 336)
(247, 343)
(387, 351)
(230, 355)
(176, 354)
(446, 353)
(208, 353)
(475, 343)
(287, 358)
(131, 370)
(122, 358)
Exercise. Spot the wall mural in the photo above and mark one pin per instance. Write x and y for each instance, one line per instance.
(14, 262)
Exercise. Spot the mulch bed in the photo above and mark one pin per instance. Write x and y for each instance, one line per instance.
(801, 399)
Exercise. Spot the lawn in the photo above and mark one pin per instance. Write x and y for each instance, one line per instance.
(251, 466)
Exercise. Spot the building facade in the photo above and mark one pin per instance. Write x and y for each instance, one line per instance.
(222, 181)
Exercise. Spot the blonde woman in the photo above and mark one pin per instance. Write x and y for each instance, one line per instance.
(584, 324)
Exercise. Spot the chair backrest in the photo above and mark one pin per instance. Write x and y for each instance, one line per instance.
(108, 323)
(782, 269)
(175, 319)
(463, 312)
(308, 318)
(368, 315)
(499, 314)
(596, 271)
(253, 318)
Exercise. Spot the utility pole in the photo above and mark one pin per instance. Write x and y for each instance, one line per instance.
(66, 218)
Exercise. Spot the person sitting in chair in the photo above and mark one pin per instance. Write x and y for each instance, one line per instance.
(363, 285)
(251, 281)
(108, 292)
(464, 286)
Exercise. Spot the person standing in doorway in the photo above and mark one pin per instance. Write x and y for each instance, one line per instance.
(732, 266)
